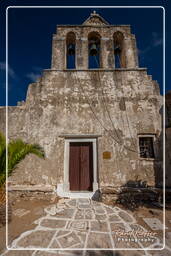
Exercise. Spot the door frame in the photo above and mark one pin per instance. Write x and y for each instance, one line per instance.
(66, 184)
(81, 166)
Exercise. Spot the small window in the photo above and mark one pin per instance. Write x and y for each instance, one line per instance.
(146, 148)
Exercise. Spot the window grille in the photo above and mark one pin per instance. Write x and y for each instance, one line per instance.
(146, 147)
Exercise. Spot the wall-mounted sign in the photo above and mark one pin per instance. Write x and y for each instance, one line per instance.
(106, 155)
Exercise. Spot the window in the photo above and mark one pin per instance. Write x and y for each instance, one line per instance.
(146, 148)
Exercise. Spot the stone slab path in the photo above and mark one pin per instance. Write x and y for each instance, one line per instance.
(83, 224)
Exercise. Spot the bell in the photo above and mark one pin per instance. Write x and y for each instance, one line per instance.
(93, 50)
(117, 49)
(71, 49)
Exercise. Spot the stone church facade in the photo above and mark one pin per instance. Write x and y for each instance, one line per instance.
(95, 112)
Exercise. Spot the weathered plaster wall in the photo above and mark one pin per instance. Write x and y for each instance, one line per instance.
(115, 104)
(168, 139)
(168, 156)
(85, 102)
(2, 119)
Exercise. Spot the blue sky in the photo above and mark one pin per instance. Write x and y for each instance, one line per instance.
(30, 38)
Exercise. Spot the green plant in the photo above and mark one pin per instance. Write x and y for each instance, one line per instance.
(17, 150)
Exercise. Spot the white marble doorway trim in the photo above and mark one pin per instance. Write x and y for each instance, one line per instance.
(63, 190)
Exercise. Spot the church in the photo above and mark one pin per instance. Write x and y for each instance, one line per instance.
(95, 112)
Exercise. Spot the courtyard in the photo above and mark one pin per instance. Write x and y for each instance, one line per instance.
(83, 227)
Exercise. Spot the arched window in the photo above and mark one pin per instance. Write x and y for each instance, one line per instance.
(119, 54)
(70, 50)
(94, 50)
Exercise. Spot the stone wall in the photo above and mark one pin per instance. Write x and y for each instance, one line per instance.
(116, 105)
(168, 139)
(168, 156)
(106, 34)
(113, 106)
(168, 109)
(2, 119)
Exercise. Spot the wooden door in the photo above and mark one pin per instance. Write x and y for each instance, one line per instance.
(81, 166)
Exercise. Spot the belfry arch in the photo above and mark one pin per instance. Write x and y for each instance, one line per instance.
(94, 50)
(119, 50)
(70, 50)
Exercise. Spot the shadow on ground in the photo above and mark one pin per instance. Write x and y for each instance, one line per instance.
(135, 194)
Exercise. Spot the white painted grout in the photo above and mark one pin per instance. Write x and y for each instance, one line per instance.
(81, 225)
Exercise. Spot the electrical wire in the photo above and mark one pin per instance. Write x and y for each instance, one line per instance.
(105, 104)
(91, 107)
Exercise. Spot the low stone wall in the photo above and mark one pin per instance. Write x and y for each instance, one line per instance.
(17, 195)
(30, 195)
(126, 195)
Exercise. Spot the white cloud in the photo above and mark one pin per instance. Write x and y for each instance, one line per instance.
(33, 76)
(37, 69)
(156, 41)
(144, 50)
(11, 72)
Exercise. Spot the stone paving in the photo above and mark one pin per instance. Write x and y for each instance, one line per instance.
(76, 224)
(81, 223)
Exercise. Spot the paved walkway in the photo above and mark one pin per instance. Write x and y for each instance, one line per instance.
(76, 224)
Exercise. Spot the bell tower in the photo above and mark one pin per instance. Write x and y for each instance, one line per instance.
(95, 112)
(94, 44)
